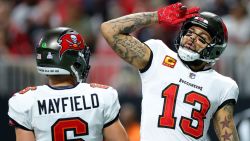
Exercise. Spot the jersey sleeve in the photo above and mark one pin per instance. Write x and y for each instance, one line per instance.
(111, 108)
(159, 51)
(151, 67)
(231, 94)
(20, 110)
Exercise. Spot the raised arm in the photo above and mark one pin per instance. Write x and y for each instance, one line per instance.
(136, 53)
(116, 32)
(224, 124)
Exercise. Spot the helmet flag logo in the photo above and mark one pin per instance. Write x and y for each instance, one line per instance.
(70, 42)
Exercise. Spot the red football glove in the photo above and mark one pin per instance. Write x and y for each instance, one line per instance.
(176, 13)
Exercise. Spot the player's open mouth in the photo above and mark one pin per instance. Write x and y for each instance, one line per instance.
(190, 47)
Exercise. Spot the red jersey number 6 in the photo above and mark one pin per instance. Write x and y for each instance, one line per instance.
(59, 128)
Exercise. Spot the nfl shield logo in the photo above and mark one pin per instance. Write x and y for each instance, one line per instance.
(192, 75)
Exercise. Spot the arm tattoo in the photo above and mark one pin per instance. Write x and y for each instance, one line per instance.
(224, 126)
(227, 136)
(225, 123)
(229, 108)
(216, 126)
(130, 23)
(126, 46)
(128, 49)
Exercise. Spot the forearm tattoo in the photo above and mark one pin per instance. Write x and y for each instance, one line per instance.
(126, 46)
(130, 23)
(223, 127)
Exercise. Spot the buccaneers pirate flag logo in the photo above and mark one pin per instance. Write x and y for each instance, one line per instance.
(70, 42)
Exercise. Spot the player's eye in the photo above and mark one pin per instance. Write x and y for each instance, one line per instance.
(189, 33)
(202, 40)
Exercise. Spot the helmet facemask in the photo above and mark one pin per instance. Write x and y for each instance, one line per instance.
(80, 68)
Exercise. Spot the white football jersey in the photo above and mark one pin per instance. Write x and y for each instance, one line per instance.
(177, 103)
(65, 114)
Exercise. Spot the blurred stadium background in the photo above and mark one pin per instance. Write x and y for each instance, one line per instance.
(23, 21)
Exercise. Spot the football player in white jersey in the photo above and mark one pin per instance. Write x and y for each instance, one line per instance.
(181, 92)
(67, 108)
